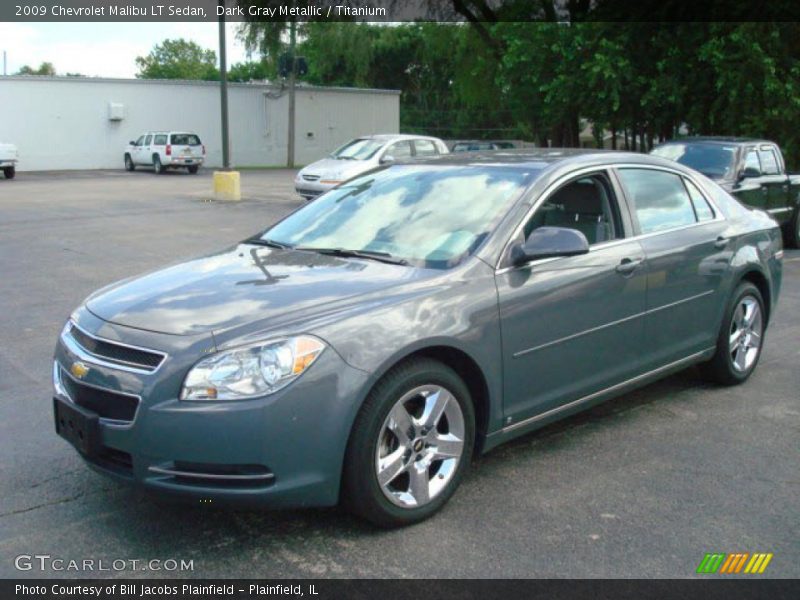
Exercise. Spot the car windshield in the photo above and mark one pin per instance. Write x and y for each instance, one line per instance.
(712, 160)
(358, 149)
(185, 139)
(429, 216)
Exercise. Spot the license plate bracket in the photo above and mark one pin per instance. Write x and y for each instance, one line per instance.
(80, 427)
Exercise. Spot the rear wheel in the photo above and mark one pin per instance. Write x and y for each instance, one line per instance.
(129, 166)
(158, 168)
(411, 444)
(741, 337)
(9, 172)
(192, 169)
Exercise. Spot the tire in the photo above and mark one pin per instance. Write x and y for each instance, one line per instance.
(738, 353)
(9, 172)
(425, 461)
(158, 168)
(193, 169)
(793, 230)
(129, 166)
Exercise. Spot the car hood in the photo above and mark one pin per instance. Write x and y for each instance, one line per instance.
(243, 285)
(335, 168)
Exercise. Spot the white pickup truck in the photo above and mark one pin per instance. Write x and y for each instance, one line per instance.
(8, 160)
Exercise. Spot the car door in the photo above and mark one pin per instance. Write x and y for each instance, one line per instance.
(572, 326)
(776, 182)
(136, 152)
(398, 151)
(685, 240)
(147, 154)
(749, 189)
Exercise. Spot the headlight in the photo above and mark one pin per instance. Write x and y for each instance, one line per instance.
(251, 371)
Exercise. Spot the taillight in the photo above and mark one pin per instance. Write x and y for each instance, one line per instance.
(169, 150)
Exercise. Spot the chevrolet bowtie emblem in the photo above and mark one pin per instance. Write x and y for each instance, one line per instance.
(79, 369)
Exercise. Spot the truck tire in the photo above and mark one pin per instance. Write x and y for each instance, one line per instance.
(158, 168)
(192, 169)
(129, 166)
(9, 172)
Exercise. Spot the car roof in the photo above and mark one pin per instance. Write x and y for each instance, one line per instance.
(711, 139)
(539, 158)
(397, 136)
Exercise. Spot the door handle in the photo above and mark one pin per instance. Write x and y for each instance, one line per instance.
(628, 265)
(721, 242)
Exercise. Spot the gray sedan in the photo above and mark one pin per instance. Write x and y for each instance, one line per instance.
(366, 347)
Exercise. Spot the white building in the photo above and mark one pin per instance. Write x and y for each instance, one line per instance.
(85, 123)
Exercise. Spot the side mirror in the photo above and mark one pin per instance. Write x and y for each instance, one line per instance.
(387, 160)
(132, 143)
(749, 172)
(547, 242)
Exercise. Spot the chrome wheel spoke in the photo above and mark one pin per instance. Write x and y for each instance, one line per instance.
(401, 424)
(447, 446)
(435, 405)
(391, 466)
(740, 359)
(419, 484)
(734, 339)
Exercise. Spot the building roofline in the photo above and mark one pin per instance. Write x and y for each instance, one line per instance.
(195, 82)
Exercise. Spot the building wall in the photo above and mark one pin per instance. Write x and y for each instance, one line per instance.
(63, 123)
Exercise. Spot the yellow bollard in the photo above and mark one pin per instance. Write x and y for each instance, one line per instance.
(227, 185)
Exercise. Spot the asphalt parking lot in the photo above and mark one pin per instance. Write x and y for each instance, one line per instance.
(642, 486)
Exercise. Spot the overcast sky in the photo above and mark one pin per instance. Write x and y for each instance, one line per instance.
(102, 49)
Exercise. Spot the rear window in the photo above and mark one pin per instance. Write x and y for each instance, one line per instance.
(185, 139)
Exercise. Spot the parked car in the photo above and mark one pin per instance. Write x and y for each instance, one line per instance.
(360, 155)
(752, 170)
(8, 160)
(480, 145)
(412, 317)
(166, 150)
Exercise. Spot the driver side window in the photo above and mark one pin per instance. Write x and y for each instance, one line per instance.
(399, 150)
(586, 204)
(751, 160)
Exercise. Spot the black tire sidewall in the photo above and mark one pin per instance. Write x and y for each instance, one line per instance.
(157, 166)
(129, 166)
(9, 172)
(362, 492)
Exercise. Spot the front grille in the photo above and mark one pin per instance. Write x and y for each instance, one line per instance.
(310, 177)
(117, 353)
(107, 404)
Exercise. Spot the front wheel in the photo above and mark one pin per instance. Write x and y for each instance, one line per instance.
(158, 168)
(411, 444)
(741, 337)
(9, 172)
(129, 166)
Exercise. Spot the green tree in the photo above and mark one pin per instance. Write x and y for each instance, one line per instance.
(178, 59)
(46, 68)
(250, 71)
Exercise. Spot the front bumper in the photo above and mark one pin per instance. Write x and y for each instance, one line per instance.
(311, 189)
(283, 450)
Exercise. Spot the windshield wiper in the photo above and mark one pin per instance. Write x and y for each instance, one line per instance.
(257, 241)
(384, 257)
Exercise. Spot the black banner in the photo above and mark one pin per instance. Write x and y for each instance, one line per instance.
(397, 10)
(419, 589)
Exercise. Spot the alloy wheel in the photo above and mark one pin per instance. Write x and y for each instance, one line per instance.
(420, 446)
(747, 329)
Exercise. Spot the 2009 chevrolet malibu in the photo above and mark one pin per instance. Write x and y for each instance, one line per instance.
(365, 347)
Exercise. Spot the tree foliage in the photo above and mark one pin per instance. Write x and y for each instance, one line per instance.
(178, 59)
(46, 68)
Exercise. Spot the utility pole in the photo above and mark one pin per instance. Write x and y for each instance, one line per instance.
(292, 81)
(223, 92)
